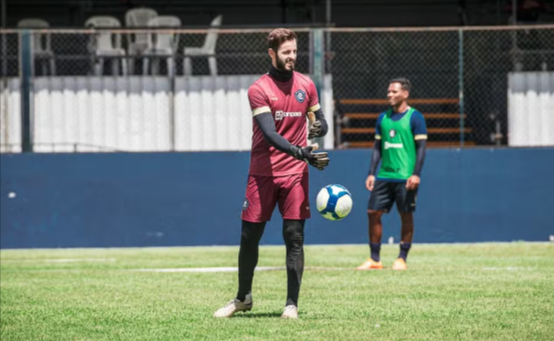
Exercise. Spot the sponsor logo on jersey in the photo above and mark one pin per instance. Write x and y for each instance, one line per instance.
(300, 96)
(279, 115)
(391, 170)
(392, 133)
(389, 145)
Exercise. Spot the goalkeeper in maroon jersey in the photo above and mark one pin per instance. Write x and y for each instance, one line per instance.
(280, 101)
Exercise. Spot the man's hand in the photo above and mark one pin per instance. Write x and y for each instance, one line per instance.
(370, 182)
(318, 160)
(315, 130)
(412, 183)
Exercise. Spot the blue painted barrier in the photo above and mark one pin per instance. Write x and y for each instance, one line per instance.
(171, 199)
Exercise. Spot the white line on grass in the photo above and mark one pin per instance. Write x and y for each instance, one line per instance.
(510, 268)
(221, 269)
(73, 260)
(230, 269)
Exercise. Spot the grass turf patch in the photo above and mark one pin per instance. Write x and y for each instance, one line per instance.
(487, 291)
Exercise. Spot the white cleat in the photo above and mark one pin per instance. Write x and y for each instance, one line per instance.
(291, 312)
(235, 306)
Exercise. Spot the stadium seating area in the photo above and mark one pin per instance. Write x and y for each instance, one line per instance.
(121, 49)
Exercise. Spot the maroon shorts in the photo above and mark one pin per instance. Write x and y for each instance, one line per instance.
(264, 192)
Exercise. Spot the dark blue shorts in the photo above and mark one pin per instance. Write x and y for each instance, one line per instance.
(386, 193)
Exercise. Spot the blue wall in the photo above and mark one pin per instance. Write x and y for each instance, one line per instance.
(169, 199)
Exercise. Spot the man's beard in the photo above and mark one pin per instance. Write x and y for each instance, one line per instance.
(282, 65)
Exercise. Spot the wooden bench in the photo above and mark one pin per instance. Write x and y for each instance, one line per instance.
(380, 101)
(367, 144)
(442, 125)
(429, 130)
(428, 116)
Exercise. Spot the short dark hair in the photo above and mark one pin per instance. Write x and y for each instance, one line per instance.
(405, 83)
(279, 36)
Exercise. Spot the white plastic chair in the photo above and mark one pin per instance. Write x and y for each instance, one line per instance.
(137, 42)
(106, 44)
(161, 45)
(41, 47)
(208, 49)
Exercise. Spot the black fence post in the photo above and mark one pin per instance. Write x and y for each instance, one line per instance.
(26, 72)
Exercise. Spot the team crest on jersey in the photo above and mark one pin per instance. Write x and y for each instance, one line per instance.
(300, 96)
(392, 133)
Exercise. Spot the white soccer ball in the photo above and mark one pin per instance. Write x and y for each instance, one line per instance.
(334, 202)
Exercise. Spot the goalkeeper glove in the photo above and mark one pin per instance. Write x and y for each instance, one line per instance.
(315, 130)
(318, 160)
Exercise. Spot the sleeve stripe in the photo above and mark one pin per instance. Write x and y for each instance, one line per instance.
(314, 108)
(420, 137)
(260, 110)
(377, 137)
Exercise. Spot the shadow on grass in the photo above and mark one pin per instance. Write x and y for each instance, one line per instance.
(258, 315)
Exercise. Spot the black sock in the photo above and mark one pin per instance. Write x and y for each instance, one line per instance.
(404, 248)
(375, 249)
(248, 256)
(293, 234)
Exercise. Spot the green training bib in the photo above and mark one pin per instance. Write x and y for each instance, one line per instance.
(398, 150)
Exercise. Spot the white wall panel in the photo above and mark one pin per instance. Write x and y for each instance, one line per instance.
(42, 118)
(57, 133)
(83, 139)
(90, 114)
(328, 107)
(14, 124)
(546, 99)
(181, 102)
(135, 114)
(68, 116)
(207, 98)
(160, 118)
(194, 109)
(210, 113)
(122, 114)
(101, 114)
(531, 109)
(10, 117)
(245, 112)
(108, 126)
(222, 118)
(97, 113)
(235, 114)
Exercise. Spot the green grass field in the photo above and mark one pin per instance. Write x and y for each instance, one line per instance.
(450, 292)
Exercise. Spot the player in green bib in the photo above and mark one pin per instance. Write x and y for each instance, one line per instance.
(400, 142)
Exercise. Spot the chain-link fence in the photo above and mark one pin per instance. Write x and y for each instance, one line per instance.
(160, 90)
(155, 52)
(459, 79)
